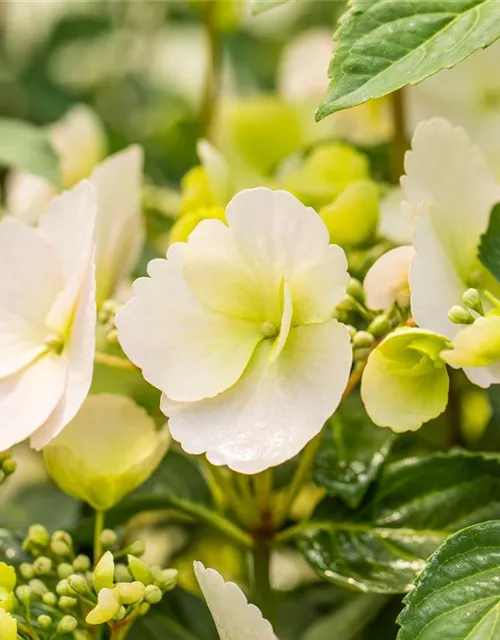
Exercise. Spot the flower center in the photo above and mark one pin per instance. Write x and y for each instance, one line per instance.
(54, 343)
(269, 329)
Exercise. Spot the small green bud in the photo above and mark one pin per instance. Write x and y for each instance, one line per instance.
(23, 594)
(64, 570)
(153, 594)
(379, 326)
(79, 584)
(362, 340)
(459, 315)
(348, 303)
(360, 355)
(61, 543)
(26, 570)
(79, 634)
(167, 579)
(130, 592)
(472, 299)
(137, 548)
(81, 563)
(9, 466)
(50, 599)
(38, 588)
(44, 621)
(63, 588)
(144, 607)
(351, 330)
(42, 566)
(5, 454)
(38, 534)
(122, 574)
(140, 570)
(67, 602)
(108, 538)
(67, 624)
(122, 612)
(355, 289)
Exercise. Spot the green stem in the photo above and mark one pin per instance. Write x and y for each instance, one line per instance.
(98, 528)
(230, 494)
(399, 142)
(261, 593)
(212, 78)
(115, 362)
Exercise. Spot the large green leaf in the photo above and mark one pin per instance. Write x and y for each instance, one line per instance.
(27, 147)
(489, 249)
(382, 45)
(457, 597)
(352, 452)
(416, 504)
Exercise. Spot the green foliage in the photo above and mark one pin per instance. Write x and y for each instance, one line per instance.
(352, 453)
(382, 45)
(260, 6)
(457, 597)
(27, 147)
(382, 546)
(489, 249)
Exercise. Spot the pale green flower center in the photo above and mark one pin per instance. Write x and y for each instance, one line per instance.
(55, 343)
(269, 329)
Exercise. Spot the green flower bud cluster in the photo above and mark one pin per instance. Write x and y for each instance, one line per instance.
(7, 465)
(472, 302)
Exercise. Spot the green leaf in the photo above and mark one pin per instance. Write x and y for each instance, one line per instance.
(28, 148)
(457, 595)
(382, 45)
(259, 6)
(416, 504)
(352, 453)
(489, 249)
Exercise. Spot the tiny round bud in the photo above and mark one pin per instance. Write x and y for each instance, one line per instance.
(167, 579)
(63, 588)
(471, 299)
(355, 289)
(5, 454)
(38, 588)
(26, 570)
(79, 584)
(122, 574)
(108, 538)
(144, 607)
(459, 315)
(9, 466)
(137, 548)
(67, 602)
(67, 624)
(130, 592)
(64, 570)
(44, 621)
(38, 534)
(362, 340)
(379, 326)
(50, 599)
(42, 566)
(348, 303)
(122, 612)
(23, 594)
(81, 563)
(153, 594)
(60, 548)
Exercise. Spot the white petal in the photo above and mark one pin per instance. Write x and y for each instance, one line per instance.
(184, 349)
(234, 617)
(447, 172)
(286, 323)
(119, 225)
(79, 354)
(27, 196)
(395, 223)
(275, 409)
(387, 280)
(28, 397)
(30, 279)
(69, 225)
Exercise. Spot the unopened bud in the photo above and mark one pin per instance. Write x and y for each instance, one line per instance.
(23, 594)
(351, 330)
(362, 340)
(44, 621)
(26, 570)
(81, 563)
(130, 592)
(144, 607)
(472, 299)
(67, 602)
(79, 584)
(108, 538)
(49, 598)
(63, 536)
(42, 566)
(459, 315)
(348, 303)
(355, 289)
(63, 588)
(38, 534)
(67, 624)
(379, 326)
(167, 579)
(122, 612)
(122, 574)
(38, 588)
(64, 570)
(137, 548)
(140, 570)
(153, 594)
(9, 466)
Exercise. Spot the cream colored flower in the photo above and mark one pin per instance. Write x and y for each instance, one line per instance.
(47, 318)
(234, 617)
(126, 450)
(236, 329)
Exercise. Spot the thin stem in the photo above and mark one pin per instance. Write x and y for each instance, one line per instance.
(399, 142)
(261, 593)
(263, 483)
(98, 528)
(230, 494)
(212, 78)
(114, 361)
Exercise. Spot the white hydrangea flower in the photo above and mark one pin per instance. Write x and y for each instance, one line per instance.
(236, 329)
(386, 282)
(450, 191)
(47, 318)
(234, 617)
